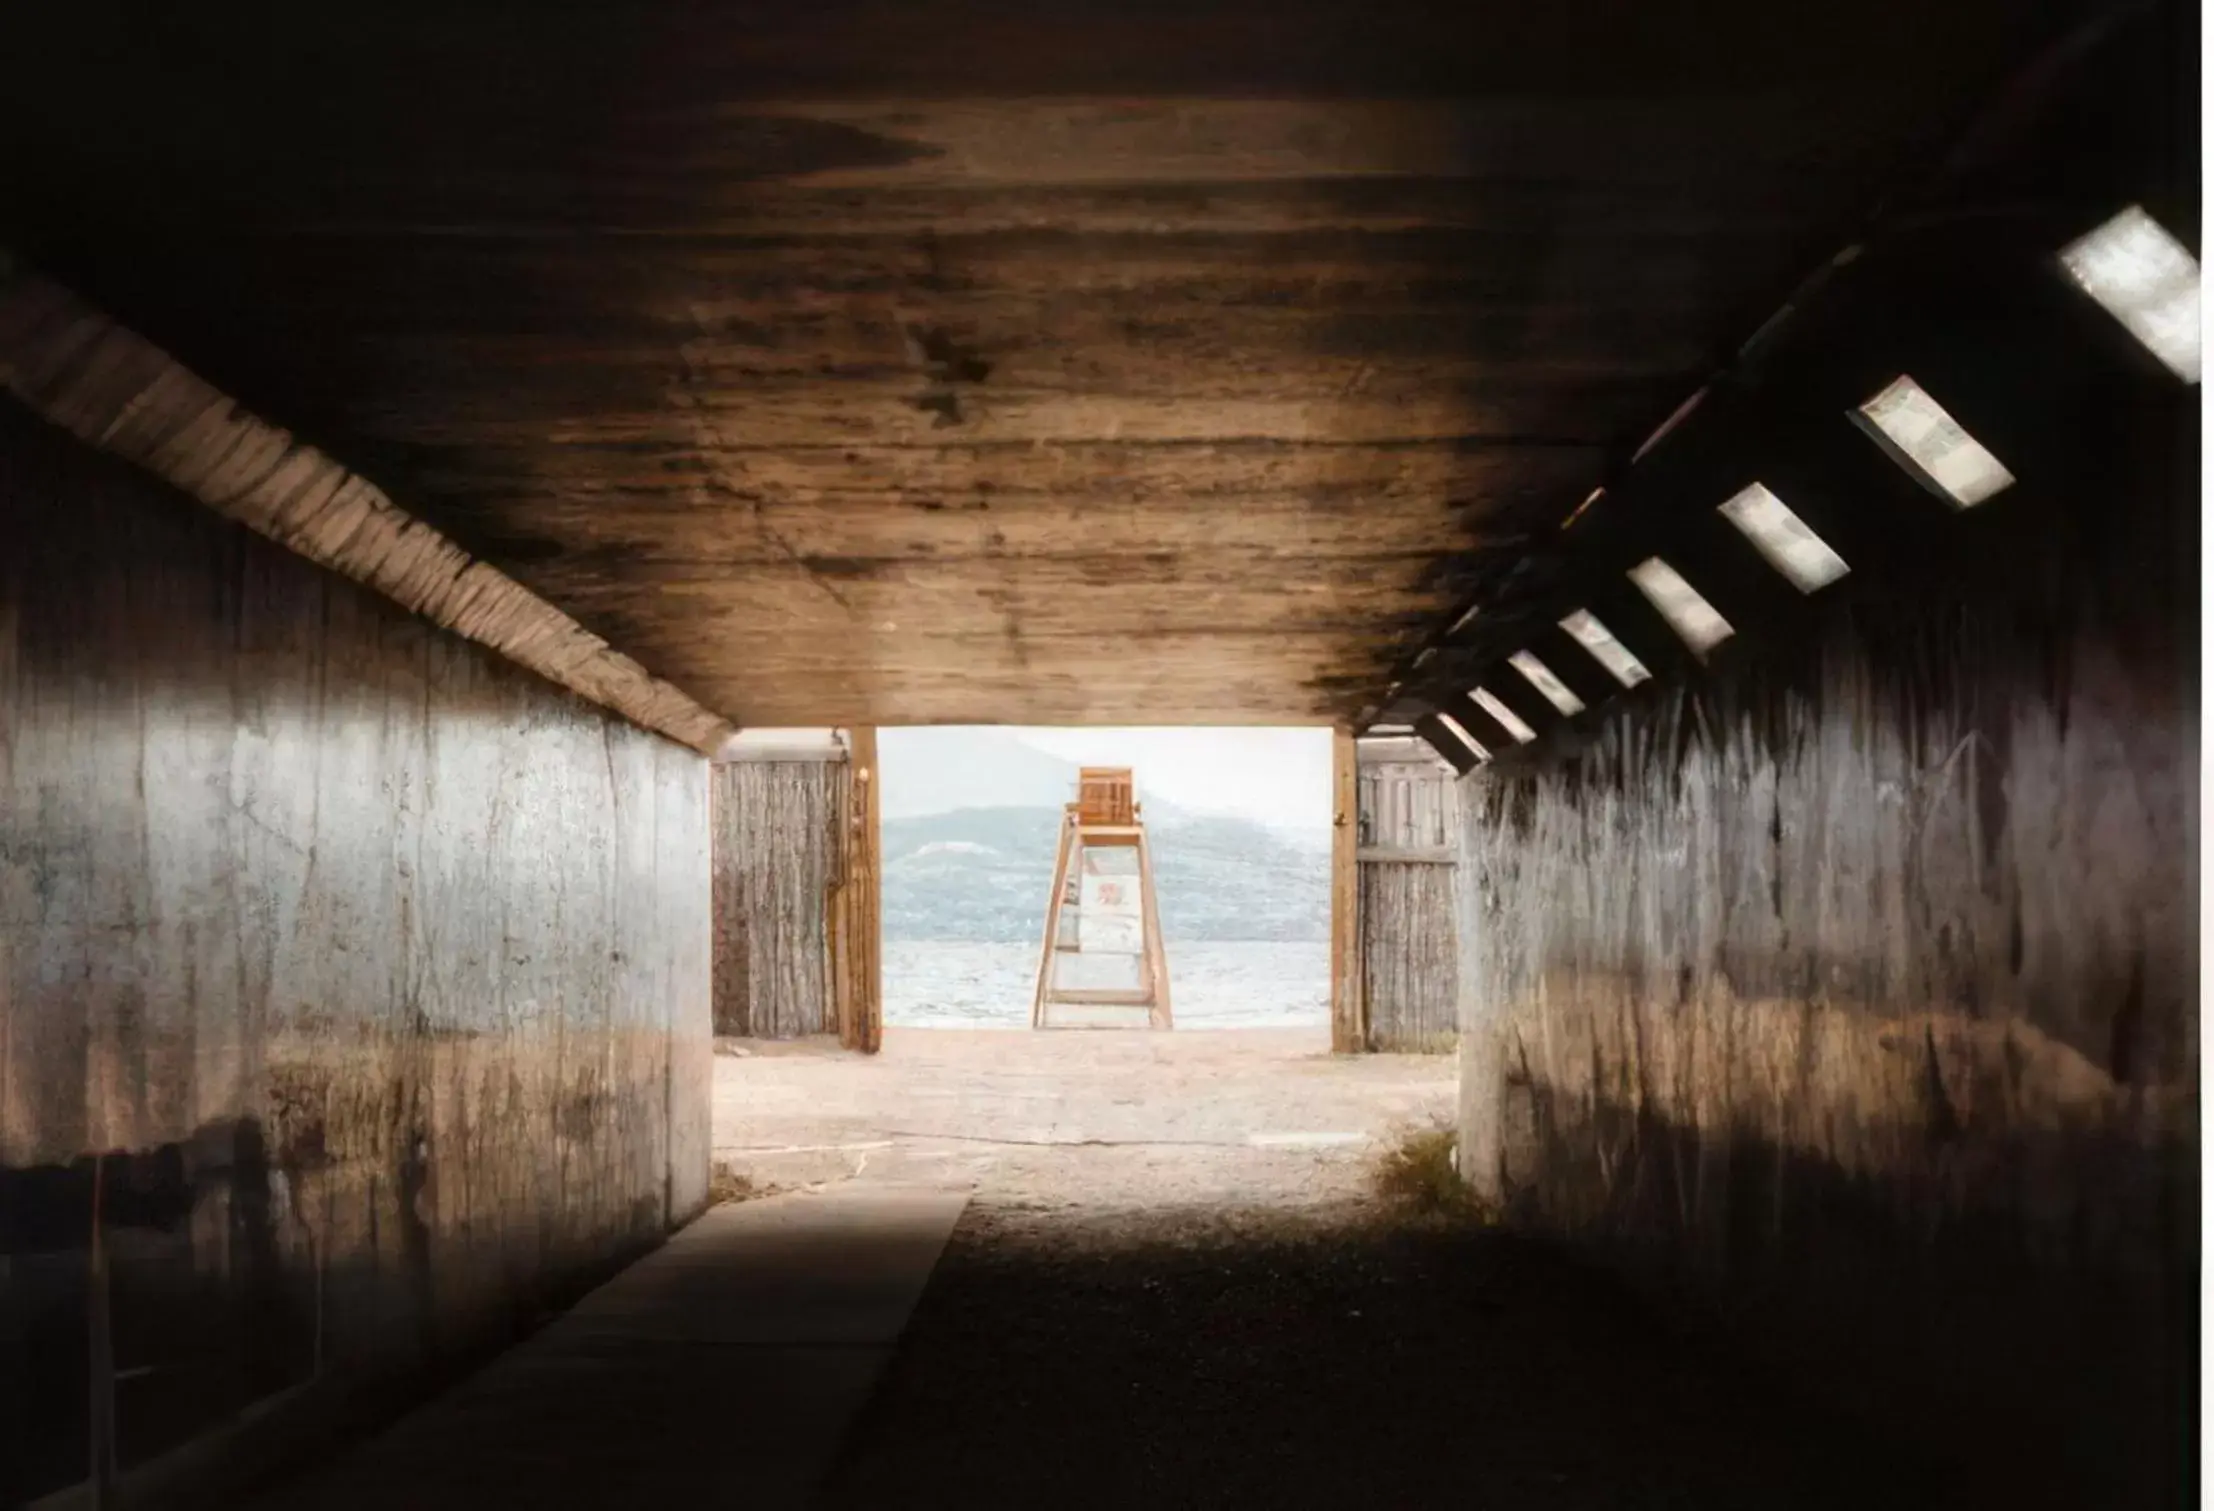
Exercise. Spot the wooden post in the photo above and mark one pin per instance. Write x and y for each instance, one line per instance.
(1156, 949)
(1348, 1019)
(838, 911)
(1053, 917)
(858, 917)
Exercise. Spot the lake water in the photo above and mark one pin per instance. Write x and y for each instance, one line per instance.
(1271, 985)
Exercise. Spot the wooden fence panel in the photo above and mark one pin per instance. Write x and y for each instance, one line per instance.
(1410, 955)
(778, 828)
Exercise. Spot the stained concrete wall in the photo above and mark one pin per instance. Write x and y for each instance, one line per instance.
(1851, 997)
(353, 982)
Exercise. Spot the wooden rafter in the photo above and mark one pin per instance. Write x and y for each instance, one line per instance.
(78, 368)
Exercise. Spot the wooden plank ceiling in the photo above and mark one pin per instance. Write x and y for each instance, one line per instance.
(1052, 363)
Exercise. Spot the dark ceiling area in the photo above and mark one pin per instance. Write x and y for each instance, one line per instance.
(1956, 281)
(875, 363)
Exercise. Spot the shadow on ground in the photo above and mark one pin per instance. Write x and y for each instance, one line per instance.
(1332, 1357)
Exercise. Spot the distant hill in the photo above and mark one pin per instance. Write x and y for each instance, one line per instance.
(982, 874)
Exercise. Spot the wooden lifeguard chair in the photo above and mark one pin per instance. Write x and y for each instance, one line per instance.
(1103, 956)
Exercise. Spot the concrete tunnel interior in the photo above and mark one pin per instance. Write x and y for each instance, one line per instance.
(479, 491)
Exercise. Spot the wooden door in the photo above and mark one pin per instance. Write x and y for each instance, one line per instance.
(1408, 841)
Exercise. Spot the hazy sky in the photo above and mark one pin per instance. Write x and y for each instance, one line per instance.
(1273, 774)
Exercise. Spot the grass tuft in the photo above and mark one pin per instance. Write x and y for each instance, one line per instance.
(1417, 1176)
(725, 1184)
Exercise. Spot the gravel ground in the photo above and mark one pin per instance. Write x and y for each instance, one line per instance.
(1173, 1287)
(1330, 1356)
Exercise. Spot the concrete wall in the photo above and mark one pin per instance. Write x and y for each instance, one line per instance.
(356, 980)
(1854, 996)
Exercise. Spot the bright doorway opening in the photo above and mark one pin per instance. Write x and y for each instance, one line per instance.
(1239, 826)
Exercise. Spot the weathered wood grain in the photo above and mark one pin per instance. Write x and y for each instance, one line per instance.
(1409, 837)
(1887, 946)
(1348, 1001)
(858, 909)
(1238, 328)
(77, 368)
(779, 839)
(371, 969)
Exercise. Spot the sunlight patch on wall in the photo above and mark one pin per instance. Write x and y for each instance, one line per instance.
(1931, 442)
(1609, 652)
(1688, 613)
(1789, 545)
(1540, 676)
(1523, 733)
(1464, 736)
(2146, 279)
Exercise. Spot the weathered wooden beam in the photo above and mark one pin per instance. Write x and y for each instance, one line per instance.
(1392, 750)
(783, 745)
(1520, 699)
(1562, 655)
(1064, 840)
(857, 913)
(1348, 1017)
(1493, 736)
(77, 368)
(1156, 947)
(1442, 740)
(1630, 617)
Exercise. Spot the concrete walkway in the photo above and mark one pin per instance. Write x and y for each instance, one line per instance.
(760, 1329)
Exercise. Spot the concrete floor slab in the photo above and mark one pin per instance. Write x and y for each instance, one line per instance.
(840, 1266)
(765, 1322)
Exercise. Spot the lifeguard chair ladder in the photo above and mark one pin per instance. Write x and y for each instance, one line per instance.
(1103, 923)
